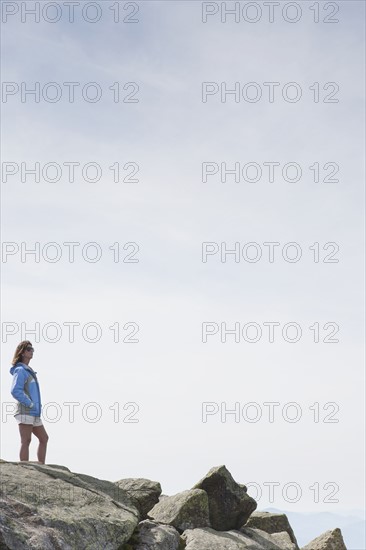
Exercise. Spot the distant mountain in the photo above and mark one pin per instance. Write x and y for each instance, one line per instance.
(307, 526)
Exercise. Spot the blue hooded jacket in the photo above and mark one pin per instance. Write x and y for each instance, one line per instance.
(25, 389)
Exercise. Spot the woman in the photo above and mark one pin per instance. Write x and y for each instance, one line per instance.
(25, 389)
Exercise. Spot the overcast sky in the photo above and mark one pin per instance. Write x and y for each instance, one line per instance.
(167, 295)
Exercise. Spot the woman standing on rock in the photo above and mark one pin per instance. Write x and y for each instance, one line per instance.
(25, 389)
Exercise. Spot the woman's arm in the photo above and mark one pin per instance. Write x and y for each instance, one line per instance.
(17, 389)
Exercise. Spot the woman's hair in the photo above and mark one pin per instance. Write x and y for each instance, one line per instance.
(20, 349)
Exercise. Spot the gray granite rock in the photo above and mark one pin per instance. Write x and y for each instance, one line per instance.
(252, 539)
(46, 507)
(185, 510)
(143, 492)
(229, 504)
(150, 535)
(271, 523)
(330, 540)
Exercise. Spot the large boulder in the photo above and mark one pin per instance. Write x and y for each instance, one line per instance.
(229, 504)
(150, 535)
(143, 492)
(185, 510)
(253, 539)
(330, 540)
(48, 506)
(271, 523)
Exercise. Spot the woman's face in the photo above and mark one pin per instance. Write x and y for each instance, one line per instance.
(28, 352)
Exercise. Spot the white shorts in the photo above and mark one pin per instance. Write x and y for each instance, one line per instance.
(28, 419)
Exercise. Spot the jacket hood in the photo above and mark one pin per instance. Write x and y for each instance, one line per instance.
(19, 364)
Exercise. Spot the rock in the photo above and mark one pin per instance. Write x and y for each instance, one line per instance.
(281, 539)
(272, 523)
(330, 540)
(46, 507)
(253, 539)
(143, 492)
(284, 541)
(229, 504)
(149, 535)
(186, 510)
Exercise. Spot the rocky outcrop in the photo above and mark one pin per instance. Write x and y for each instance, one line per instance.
(272, 523)
(48, 507)
(330, 540)
(230, 505)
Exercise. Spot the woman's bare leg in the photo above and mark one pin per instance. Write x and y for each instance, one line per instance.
(40, 432)
(25, 431)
